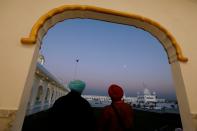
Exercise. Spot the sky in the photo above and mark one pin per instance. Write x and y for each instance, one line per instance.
(108, 53)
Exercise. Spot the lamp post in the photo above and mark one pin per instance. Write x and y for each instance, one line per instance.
(75, 71)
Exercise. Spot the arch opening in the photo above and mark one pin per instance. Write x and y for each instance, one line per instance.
(39, 95)
(83, 44)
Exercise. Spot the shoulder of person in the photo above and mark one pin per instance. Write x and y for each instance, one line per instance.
(107, 108)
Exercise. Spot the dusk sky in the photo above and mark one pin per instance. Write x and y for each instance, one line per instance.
(108, 53)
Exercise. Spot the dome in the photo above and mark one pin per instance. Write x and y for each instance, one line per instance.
(146, 92)
(41, 59)
(77, 85)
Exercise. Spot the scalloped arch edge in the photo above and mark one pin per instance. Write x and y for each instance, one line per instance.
(31, 39)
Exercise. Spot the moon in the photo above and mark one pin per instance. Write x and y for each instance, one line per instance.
(125, 66)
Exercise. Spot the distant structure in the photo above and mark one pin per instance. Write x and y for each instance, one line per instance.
(147, 99)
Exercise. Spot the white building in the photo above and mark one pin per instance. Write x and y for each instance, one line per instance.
(147, 99)
(46, 89)
(131, 100)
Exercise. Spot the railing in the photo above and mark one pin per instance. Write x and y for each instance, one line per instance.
(37, 108)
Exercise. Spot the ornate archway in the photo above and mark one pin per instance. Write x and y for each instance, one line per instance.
(171, 46)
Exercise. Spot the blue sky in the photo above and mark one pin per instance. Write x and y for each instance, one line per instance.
(108, 53)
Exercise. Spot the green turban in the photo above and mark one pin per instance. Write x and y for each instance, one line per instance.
(77, 85)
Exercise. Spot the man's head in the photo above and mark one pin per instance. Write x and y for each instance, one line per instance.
(77, 85)
(115, 92)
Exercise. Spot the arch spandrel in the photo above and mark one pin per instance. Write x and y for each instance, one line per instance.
(61, 13)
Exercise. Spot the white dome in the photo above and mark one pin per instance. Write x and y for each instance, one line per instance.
(41, 59)
(146, 92)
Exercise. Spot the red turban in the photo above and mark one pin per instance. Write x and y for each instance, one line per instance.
(115, 92)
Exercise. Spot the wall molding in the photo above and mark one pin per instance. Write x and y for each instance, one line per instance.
(194, 115)
(8, 116)
(7, 113)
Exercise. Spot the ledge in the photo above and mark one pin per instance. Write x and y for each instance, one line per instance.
(7, 113)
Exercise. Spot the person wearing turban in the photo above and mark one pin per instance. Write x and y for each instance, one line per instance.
(72, 112)
(119, 115)
(69, 113)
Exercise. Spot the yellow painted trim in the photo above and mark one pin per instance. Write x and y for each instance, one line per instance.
(31, 39)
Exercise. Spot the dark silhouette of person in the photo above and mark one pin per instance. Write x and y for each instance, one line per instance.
(119, 115)
(72, 112)
(69, 113)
